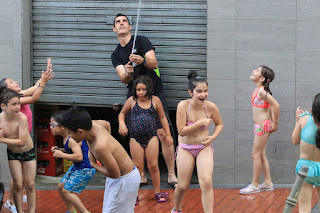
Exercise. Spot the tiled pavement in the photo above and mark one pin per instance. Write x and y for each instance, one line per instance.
(226, 200)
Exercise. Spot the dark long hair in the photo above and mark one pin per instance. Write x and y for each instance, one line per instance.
(268, 75)
(142, 79)
(194, 80)
(3, 85)
(316, 116)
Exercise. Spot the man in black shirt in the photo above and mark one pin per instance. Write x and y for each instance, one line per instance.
(145, 61)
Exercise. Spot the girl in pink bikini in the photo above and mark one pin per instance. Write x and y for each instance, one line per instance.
(193, 118)
(265, 110)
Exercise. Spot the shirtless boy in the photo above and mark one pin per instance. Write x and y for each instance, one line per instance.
(123, 178)
(21, 156)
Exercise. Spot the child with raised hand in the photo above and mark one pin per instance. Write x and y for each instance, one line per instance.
(143, 136)
(306, 132)
(265, 110)
(194, 115)
(27, 96)
(123, 178)
(79, 174)
(20, 149)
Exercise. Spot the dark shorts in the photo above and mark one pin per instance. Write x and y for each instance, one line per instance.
(25, 156)
(162, 97)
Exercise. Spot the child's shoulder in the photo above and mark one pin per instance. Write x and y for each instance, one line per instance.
(210, 105)
(22, 117)
(184, 102)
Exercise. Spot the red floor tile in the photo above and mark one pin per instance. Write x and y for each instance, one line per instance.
(226, 200)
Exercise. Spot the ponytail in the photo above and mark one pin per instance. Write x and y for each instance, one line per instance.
(268, 75)
(194, 80)
(3, 85)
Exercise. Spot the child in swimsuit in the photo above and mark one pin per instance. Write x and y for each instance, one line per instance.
(80, 173)
(21, 156)
(265, 110)
(195, 142)
(143, 134)
(28, 96)
(306, 132)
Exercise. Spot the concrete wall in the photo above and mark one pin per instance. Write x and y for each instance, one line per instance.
(242, 35)
(15, 26)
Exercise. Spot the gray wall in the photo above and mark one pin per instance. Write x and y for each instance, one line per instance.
(242, 35)
(15, 20)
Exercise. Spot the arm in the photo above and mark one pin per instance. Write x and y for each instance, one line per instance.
(274, 108)
(124, 72)
(46, 76)
(216, 117)
(182, 128)
(110, 167)
(297, 128)
(123, 130)
(151, 61)
(30, 91)
(76, 149)
(163, 119)
(23, 133)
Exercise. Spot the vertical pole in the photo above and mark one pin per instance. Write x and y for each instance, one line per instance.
(292, 200)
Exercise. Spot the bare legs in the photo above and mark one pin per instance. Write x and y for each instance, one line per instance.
(260, 161)
(185, 166)
(168, 155)
(138, 154)
(71, 200)
(23, 174)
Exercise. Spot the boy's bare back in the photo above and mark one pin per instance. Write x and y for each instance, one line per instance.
(106, 149)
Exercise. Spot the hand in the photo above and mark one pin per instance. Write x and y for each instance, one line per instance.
(57, 153)
(205, 122)
(138, 59)
(129, 68)
(123, 130)
(207, 140)
(298, 113)
(53, 148)
(169, 140)
(274, 127)
(47, 75)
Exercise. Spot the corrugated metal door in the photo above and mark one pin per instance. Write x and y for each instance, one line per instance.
(78, 36)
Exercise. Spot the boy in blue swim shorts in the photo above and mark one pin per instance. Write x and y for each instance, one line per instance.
(80, 173)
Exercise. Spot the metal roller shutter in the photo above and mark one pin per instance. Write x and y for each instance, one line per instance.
(78, 36)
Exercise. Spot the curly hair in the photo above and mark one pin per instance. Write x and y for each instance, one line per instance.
(142, 79)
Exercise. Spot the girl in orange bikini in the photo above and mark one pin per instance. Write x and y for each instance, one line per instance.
(193, 118)
(265, 110)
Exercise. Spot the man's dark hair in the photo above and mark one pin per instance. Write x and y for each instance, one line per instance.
(76, 118)
(7, 95)
(119, 14)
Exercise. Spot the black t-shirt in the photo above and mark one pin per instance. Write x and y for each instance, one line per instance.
(120, 56)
